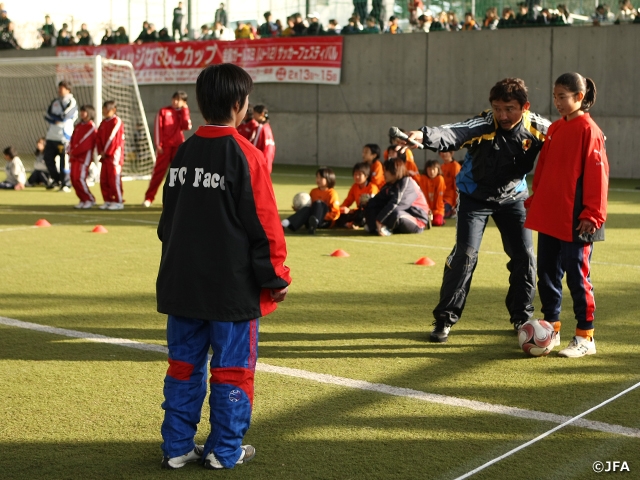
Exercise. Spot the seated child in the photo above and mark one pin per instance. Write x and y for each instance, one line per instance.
(325, 205)
(432, 185)
(450, 168)
(400, 207)
(360, 192)
(371, 156)
(16, 174)
(40, 174)
(391, 153)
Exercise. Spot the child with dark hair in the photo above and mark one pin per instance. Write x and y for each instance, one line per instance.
(40, 174)
(171, 121)
(371, 156)
(263, 137)
(222, 268)
(433, 186)
(391, 153)
(16, 175)
(110, 145)
(81, 147)
(400, 207)
(450, 168)
(568, 208)
(360, 193)
(325, 205)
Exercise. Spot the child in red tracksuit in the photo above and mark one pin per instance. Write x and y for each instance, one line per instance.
(110, 145)
(263, 137)
(81, 146)
(569, 207)
(171, 121)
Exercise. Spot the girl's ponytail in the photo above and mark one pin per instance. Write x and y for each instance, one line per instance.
(589, 96)
(576, 83)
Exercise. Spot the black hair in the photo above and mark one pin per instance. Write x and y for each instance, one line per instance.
(10, 152)
(328, 175)
(181, 94)
(432, 163)
(91, 112)
(262, 109)
(509, 89)
(374, 148)
(109, 104)
(576, 83)
(38, 152)
(267, 15)
(66, 84)
(219, 88)
(362, 167)
(396, 167)
(401, 155)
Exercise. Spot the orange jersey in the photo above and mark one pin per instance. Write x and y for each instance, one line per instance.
(356, 191)
(433, 189)
(408, 155)
(449, 172)
(330, 197)
(377, 174)
(412, 168)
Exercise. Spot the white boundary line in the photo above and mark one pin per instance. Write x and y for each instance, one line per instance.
(357, 384)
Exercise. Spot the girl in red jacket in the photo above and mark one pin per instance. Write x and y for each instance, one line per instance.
(569, 208)
(263, 136)
(81, 147)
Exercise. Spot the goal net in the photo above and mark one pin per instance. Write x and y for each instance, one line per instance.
(28, 86)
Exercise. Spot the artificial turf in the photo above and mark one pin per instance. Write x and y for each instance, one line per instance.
(75, 409)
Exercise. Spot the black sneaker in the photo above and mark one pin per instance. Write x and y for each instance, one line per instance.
(179, 462)
(517, 325)
(440, 333)
(313, 224)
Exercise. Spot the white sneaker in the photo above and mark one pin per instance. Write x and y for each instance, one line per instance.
(146, 203)
(105, 205)
(88, 204)
(179, 462)
(79, 206)
(557, 344)
(579, 347)
(115, 206)
(90, 183)
(64, 189)
(212, 463)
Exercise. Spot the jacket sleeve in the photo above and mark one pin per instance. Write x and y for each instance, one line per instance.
(157, 129)
(69, 116)
(400, 198)
(538, 173)
(350, 198)
(448, 138)
(185, 118)
(334, 207)
(596, 179)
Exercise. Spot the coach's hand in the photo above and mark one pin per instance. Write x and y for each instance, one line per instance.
(279, 295)
(586, 226)
(413, 135)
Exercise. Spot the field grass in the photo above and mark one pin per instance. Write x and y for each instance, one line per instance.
(70, 408)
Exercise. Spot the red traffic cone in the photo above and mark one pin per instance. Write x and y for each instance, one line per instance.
(340, 253)
(426, 261)
(99, 229)
(42, 223)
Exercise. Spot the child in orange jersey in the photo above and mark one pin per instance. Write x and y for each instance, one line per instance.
(360, 193)
(371, 156)
(325, 205)
(450, 169)
(433, 187)
(411, 167)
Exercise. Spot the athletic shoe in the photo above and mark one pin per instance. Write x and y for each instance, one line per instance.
(146, 203)
(90, 183)
(557, 344)
(212, 463)
(384, 232)
(313, 225)
(578, 347)
(517, 325)
(88, 204)
(179, 462)
(64, 189)
(115, 206)
(79, 206)
(440, 333)
(105, 206)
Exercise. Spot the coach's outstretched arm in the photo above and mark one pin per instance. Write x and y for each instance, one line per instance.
(452, 137)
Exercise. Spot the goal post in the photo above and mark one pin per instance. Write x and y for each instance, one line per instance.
(29, 85)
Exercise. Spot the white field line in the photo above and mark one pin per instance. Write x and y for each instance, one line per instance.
(350, 383)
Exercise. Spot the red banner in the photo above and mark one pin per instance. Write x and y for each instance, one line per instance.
(277, 60)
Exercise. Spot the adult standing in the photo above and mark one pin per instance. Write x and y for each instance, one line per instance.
(502, 146)
(221, 16)
(61, 115)
(176, 25)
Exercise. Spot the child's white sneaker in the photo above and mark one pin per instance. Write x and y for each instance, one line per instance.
(115, 206)
(579, 347)
(105, 205)
(79, 205)
(212, 463)
(87, 204)
(179, 462)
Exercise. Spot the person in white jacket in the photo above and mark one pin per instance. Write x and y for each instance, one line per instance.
(61, 115)
(16, 174)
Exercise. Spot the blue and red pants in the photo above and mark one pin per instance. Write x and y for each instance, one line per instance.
(232, 367)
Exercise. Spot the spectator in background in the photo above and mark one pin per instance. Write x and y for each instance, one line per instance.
(288, 32)
(544, 19)
(470, 22)
(4, 20)
(121, 37)
(626, 14)
(601, 16)
(424, 22)
(454, 23)
(315, 27)
(350, 28)
(441, 24)
(279, 27)
(7, 38)
(393, 27)
(564, 16)
(84, 37)
(268, 28)
(376, 12)
(299, 26)
(416, 8)
(108, 38)
(220, 32)
(176, 24)
(637, 20)
(163, 36)
(508, 19)
(221, 16)
(358, 22)
(205, 33)
(523, 13)
(48, 32)
(64, 37)
(243, 31)
(333, 28)
(491, 19)
(360, 8)
(372, 25)
(143, 34)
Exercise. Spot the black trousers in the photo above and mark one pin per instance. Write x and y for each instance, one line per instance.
(355, 216)
(53, 149)
(37, 177)
(517, 242)
(360, 7)
(318, 209)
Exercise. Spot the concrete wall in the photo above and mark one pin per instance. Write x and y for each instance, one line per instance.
(413, 80)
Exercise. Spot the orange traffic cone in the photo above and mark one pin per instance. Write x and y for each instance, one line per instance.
(426, 261)
(99, 229)
(42, 223)
(340, 253)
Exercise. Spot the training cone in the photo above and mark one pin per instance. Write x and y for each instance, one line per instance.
(339, 253)
(99, 229)
(42, 223)
(426, 261)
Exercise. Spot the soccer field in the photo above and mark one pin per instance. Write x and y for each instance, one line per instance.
(348, 385)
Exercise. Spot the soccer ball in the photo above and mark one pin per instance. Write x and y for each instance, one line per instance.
(537, 338)
(301, 200)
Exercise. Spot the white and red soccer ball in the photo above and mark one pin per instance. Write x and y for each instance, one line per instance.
(537, 338)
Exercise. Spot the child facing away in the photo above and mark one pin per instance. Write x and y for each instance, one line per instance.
(450, 168)
(360, 193)
(16, 175)
(400, 207)
(433, 186)
(40, 174)
(218, 275)
(110, 145)
(325, 205)
(81, 147)
(568, 208)
(371, 156)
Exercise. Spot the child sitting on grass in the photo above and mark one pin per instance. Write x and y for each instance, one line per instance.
(360, 192)
(371, 156)
(16, 174)
(433, 187)
(40, 174)
(412, 169)
(325, 205)
(450, 168)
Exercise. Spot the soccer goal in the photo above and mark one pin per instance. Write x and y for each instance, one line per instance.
(28, 86)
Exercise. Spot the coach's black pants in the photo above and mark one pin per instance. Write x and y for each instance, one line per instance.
(461, 263)
(318, 209)
(53, 149)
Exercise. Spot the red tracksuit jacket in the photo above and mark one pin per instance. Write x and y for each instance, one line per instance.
(248, 129)
(83, 140)
(110, 139)
(170, 122)
(264, 142)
